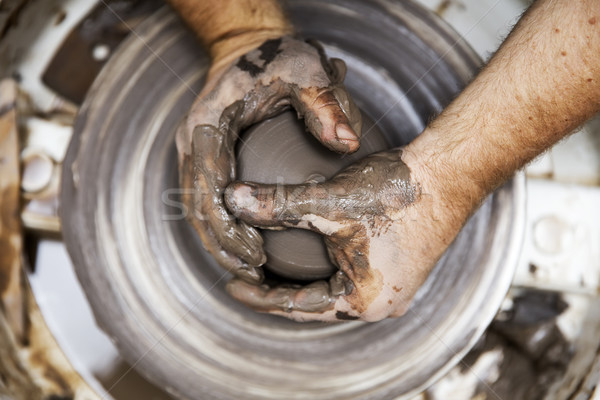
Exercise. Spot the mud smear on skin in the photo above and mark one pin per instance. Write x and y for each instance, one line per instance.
(187, 177)
(373, 189)
(350, 248)
(344, 316)
(268, 51)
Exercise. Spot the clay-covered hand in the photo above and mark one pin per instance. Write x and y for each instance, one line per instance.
(379, 229)
(278, 74)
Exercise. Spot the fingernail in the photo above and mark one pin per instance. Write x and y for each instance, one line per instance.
(347, 137)
(344, 132)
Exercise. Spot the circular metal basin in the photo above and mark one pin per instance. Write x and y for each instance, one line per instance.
(161, 297)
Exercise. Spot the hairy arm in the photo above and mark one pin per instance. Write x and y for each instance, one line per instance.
(542, 83)
(230, 28)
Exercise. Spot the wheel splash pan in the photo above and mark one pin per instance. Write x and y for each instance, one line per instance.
(161, 297)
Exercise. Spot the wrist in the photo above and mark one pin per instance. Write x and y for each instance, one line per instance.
(446, 184)
(230, 28)
(224, 51)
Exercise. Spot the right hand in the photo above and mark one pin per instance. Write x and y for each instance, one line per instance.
(378, 218)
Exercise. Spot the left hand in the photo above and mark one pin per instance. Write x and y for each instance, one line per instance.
(380, 228)
(281, 72)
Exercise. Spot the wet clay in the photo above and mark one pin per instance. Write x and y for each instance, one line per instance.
(279, 150)
(280, 73)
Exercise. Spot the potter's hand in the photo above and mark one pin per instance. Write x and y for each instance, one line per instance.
(280, 73)
(379, 230)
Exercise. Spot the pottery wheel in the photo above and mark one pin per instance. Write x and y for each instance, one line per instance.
(161, 297)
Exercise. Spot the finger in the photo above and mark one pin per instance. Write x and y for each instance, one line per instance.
(318, 301)
(202, 173)
(214, 166)
(228, 261)
(313, 298)
(330, 115)
(329, 112)
(225, 259)
(238, 238)
(306, 206)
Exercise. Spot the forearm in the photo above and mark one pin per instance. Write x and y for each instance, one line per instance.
(542, 84)
(229, 28)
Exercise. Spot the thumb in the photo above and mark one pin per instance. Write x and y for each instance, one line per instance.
(299, 206)
(329, 112)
